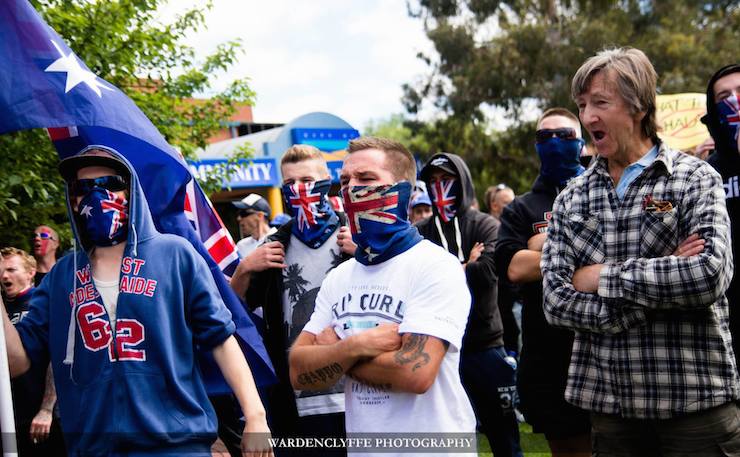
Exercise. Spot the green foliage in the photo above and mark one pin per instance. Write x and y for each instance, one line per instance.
(125, 43)
(521, 53)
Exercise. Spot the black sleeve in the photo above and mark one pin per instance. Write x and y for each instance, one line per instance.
(482, 273)
(514, 233)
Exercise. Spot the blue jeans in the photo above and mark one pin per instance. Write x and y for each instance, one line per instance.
(490, 382)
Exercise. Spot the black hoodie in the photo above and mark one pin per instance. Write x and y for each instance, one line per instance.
(546, 350)
(484, 329)
(726, 161)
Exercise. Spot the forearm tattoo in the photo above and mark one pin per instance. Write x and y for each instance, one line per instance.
(328, 373)
(412, 351)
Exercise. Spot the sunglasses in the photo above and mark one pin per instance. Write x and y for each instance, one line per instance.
(43, 236)
(563, 134)
(113, 183)
(246, 212)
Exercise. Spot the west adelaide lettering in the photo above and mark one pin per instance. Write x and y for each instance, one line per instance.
(92, 317)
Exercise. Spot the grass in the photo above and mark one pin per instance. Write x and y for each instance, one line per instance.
(533, 444)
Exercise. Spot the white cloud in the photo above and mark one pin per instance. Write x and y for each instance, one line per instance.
(349, 58)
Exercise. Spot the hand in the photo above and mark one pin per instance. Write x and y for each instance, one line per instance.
(586, 279)
(344, 240)
(476, 251)
(255, 439)
(268, 255)
(536, 242)
(40, 426)
(692, 245)
(383, 338)
(703, 150)
(327, 337)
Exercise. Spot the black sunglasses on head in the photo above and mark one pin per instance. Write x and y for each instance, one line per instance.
(113, 183)
(564, 134)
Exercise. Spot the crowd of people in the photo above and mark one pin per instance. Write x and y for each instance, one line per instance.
(600, 306)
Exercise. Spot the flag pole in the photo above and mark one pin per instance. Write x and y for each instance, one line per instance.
(7, 422)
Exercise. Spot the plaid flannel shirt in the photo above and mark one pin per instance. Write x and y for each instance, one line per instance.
(654, 341)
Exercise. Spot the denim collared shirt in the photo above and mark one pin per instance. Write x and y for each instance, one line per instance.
(633, 171)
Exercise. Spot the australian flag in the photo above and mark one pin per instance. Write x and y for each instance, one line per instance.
(729, 112)
(43, 84)
(444, 196)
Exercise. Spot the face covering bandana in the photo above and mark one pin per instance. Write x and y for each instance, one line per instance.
(444, 197)
(560, 159)
(315, 219)
(728, 111)
(103, 217)
(378, 220)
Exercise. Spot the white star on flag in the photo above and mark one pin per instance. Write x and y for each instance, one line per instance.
(75, 73)
(86, 211)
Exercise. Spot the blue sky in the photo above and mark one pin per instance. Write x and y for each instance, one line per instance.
(346, 57)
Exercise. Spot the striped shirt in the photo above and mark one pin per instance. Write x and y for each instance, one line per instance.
(654, 341)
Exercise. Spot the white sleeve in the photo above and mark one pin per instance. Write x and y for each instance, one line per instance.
(321, 317)
(440, 302)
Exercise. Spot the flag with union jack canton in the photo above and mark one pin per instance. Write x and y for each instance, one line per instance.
(43, 84)
(378, 219)
(729, 113)
(301, 196)
(444, 197)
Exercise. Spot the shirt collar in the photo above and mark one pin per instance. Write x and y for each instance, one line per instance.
(658, 153)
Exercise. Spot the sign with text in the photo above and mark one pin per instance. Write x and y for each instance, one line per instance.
(246, 173)
(678, 116)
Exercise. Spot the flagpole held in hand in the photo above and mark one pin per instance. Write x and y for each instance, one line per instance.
(7, 423)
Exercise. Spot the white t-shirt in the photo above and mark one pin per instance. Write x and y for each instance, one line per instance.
(249, 244)
(425, 291)
(108, 291)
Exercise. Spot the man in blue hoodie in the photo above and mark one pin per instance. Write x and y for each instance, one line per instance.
(121, 319)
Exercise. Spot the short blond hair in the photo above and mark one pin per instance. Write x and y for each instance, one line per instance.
(29, 263)
(300, 152)
(401, 162)
(634, 77)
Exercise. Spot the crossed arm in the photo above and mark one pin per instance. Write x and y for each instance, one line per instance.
(380, 357)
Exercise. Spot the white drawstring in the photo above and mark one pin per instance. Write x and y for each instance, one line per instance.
(71, 330)
(458, 238)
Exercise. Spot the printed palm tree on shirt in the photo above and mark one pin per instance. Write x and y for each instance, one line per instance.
(294, 282)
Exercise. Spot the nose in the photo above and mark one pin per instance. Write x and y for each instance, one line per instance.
(587, 115)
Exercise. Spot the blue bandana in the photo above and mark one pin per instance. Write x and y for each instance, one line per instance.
(378, 219)
(103, 217)
(315, 219)
(728, 110)
(560, 159)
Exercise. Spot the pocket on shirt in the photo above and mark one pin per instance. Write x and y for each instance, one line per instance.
(659, 233)
(587, 239)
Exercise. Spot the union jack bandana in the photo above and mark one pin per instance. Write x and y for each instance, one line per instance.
(315, 219)
(729, 115)
(444, 198)
(378, 220)
(104, 217)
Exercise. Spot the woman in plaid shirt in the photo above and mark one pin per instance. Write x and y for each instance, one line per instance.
(637, 261)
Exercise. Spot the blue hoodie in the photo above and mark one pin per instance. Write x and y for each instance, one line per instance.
(140, 391)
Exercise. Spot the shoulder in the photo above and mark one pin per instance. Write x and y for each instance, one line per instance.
(690, 167)
(430, 258)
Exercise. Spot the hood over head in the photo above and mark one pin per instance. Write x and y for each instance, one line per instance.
(453, 164)
(140, 223)
(711, 119)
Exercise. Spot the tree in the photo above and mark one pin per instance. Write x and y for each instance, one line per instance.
(122, 42)
(518, 54)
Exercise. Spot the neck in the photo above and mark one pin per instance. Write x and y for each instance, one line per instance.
(44, 264)
(261, 232)
(106, 261)
(634, 152)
